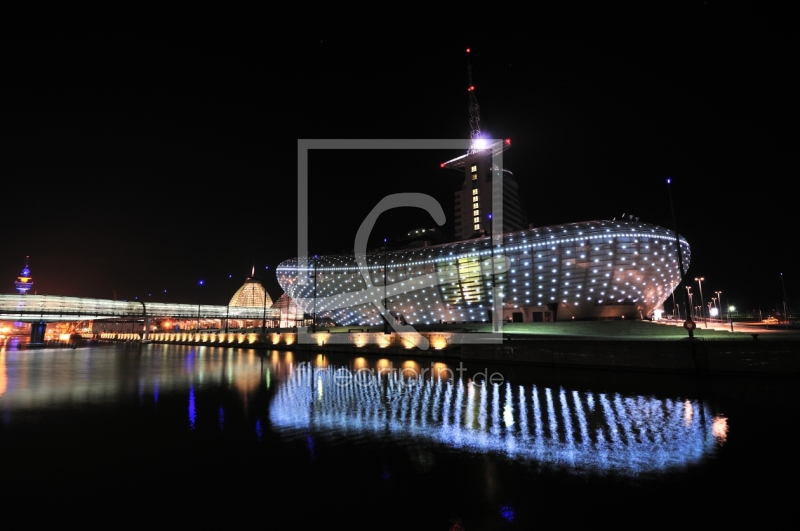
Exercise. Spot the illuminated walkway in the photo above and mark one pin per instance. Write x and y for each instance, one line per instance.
(49, 308)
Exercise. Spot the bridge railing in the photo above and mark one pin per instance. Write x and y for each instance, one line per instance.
(49, 307)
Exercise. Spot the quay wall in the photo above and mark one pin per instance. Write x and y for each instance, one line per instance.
(711, 356)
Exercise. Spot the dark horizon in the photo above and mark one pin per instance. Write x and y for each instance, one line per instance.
(144, 160)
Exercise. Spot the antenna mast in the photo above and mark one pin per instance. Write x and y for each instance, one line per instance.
(474, 114)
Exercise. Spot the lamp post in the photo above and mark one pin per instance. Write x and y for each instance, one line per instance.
(689, 324)
(385, 301)
(314, 322)
(719, 304)
(495, 317)
(702, 302)
(691, 305)
(199, 294)
(264, 321)
(675, 307)
(785, 302)
(228, 307)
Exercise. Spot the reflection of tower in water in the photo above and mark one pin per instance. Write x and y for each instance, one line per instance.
(580, 431)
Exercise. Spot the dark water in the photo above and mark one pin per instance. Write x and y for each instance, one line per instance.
(215, 436)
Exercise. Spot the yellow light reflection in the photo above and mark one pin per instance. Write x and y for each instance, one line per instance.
(442, 371)
(688, 413)
(719, 428)
(360, 363)
(383, 365)
(410, 369)
(3, 377)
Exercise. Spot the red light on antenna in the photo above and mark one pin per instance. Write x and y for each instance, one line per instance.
(441, 165)
(508, 141)
(467, 50)
(472, 88)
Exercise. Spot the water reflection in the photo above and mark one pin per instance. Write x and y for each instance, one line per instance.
(579, 431)
(372, 400)
(53, 378)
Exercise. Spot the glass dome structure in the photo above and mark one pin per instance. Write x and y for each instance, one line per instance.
(252, 294)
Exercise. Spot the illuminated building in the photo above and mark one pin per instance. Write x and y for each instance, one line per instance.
(252, 294)
(587, 270)
(473, 202)
(25, 281)
(289, 314)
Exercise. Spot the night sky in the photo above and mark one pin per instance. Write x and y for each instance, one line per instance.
(139, 160)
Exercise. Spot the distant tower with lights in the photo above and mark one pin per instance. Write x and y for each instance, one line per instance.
(473, 202)
(24, 280)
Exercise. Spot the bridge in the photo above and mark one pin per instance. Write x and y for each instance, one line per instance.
(43, 309)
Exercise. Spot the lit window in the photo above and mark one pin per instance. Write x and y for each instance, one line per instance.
(474, 169)
(474, 192)
(477, 226)
(474, 176)
(476, 212)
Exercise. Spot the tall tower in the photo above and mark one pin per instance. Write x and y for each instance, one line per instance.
(473, 202)
(24, 280)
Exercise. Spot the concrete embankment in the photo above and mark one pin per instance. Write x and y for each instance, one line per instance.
(699, 355)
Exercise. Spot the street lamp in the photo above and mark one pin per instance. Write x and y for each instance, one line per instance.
(314, 322)
(264, 322)
(385, 301)
(719, 301)
(675, 306)
(702, 302)
(785, 303)
(689, 324)
(494, 312)
(228, 307)
(199, 293)
(691, 306)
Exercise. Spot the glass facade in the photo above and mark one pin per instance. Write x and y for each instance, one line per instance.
(251, 295)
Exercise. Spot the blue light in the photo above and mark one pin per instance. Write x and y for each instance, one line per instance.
(201, 282)
(192, 410)
(669, 180)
